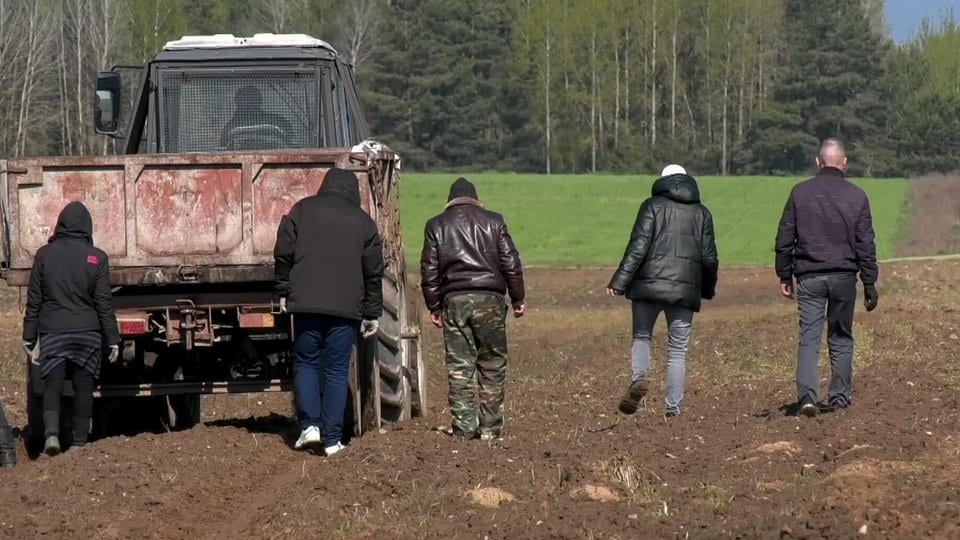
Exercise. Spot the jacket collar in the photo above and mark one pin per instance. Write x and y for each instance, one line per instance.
(457, 201)
(831, 171)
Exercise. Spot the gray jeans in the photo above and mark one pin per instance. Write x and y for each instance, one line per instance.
(832, 297)
(680, 325)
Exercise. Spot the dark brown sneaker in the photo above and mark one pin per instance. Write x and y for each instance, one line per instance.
(631, 399)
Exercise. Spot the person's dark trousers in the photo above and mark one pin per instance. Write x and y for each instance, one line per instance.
(8, 445)
(83, 383)
(323, 346)
(832, 297)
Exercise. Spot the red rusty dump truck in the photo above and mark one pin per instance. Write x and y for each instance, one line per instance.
(223, 135)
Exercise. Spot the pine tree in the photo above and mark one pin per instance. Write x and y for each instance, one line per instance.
(438, 81)
(829, 87)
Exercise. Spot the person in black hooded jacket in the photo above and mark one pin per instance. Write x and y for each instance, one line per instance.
(328, 273)
(70, 318)
(669, 264)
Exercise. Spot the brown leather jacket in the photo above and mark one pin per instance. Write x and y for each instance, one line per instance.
(467, 249)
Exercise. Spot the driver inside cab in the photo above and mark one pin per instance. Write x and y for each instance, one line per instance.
(251, 127)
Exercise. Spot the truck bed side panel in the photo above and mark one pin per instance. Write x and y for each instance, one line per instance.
(155, 215)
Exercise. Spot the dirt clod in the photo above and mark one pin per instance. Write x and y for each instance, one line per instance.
(786, 447)
(490, 497)
(596, 493)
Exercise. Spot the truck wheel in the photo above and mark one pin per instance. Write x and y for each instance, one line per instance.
(393, 360)
(183, 411)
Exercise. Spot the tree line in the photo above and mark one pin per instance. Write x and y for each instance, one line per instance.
(555, 86)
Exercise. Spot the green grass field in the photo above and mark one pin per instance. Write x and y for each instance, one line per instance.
(585, 220)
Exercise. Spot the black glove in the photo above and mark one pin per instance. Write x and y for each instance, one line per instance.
(870, 297)
(708, 283)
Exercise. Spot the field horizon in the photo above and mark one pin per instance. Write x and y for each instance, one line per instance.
(584, 221)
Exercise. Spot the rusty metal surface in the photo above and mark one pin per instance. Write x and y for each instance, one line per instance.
(205, 218)
(169, 275)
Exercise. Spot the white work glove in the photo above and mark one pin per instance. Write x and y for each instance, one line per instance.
(32, 351)
(283, 305)
(113, 354)
(369, 328)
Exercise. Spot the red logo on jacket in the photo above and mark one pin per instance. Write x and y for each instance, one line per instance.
(92, 259)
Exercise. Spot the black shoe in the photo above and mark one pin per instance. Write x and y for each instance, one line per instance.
(52, 445)
(837, 405)
(8, 448)
(465, 436)
(631, 399)
(808, 408)
(8, 456)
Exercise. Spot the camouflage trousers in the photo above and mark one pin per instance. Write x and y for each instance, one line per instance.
(475, 339)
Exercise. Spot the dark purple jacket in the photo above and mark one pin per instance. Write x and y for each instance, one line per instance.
(826, 227)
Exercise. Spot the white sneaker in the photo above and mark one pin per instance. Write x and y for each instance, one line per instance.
(308, 437)
(331, 450)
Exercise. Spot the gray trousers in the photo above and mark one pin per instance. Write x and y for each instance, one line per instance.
(680, 326)
(831, 297)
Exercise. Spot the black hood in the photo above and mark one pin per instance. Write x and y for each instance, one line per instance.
(341, 182)
(74, 222)
(678, 187)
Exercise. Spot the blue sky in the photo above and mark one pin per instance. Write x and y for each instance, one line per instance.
(904, 16)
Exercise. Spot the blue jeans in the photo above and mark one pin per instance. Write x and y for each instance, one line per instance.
(322, 347)
(679, 327)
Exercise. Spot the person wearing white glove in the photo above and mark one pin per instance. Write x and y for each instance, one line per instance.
(328, 276)
(69, 324)
(369, 328)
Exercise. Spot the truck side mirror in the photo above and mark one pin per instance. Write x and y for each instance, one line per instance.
(106, 109)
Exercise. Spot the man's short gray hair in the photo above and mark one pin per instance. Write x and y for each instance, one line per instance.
(832, 151)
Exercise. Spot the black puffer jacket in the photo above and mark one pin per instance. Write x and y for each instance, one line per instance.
(328, 256)
(70, 283)
(672, 255)
(468, 249)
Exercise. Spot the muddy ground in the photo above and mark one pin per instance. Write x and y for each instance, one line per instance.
(734, 464)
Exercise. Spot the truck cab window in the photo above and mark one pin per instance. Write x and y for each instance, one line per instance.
(204, 111)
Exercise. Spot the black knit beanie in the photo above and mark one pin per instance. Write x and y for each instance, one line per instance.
(462, 188)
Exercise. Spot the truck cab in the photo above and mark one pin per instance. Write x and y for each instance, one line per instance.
(225, 93)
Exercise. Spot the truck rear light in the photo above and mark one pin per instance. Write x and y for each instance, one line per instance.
(256, 318)
(133, 324)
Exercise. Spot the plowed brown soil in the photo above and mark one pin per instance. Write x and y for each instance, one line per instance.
(734, 464)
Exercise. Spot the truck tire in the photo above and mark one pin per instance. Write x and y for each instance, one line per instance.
(392, 361)
(402, 380)
(183, 411)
